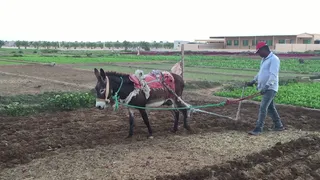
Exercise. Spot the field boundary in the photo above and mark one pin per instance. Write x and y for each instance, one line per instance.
(199, 72)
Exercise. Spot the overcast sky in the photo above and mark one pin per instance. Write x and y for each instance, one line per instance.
(149, 20)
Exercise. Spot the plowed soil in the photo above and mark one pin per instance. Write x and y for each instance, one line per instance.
(297, 159)
(32, 140)
(91, 144)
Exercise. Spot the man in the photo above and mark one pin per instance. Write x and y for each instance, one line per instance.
(268, 84)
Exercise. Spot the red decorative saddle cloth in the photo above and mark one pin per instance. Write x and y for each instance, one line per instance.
(154, 82)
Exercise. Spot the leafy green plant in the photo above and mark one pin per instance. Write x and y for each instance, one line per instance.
(70, 101)
(17, 109)
(299, 94)
(29, 104)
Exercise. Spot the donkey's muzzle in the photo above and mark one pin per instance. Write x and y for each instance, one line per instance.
(101, 105)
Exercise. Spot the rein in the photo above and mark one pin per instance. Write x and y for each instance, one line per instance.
(115, 97)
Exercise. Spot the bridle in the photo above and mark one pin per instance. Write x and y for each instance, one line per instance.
(107, 100)
(115, 97)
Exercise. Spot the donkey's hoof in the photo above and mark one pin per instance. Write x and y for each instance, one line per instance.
(150, 137)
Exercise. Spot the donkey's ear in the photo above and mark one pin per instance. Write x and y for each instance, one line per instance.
(96, 72)
(102, 74)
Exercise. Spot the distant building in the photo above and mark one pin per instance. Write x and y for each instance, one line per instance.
(279, 43)
(177, 44)
(249, 42)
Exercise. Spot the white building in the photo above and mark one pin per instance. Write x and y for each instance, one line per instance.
(177, 44)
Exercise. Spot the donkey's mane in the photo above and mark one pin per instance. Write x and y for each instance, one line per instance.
(114, 73)
(117, 74)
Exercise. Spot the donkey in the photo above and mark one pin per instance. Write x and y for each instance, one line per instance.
(131, 92)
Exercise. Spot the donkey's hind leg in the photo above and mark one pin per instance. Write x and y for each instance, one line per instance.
(146, 121)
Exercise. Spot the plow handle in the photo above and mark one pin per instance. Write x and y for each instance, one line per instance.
(238, 100)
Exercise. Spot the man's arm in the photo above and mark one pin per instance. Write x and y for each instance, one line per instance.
(274, 70)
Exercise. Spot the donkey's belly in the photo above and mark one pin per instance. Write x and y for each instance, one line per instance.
(159, 97)
(155, 103)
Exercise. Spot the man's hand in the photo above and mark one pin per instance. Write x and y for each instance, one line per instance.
(251, 83)
(264, 89)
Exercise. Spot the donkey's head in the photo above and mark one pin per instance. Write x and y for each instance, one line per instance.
(103, 89)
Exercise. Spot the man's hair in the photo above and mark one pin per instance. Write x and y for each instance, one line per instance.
(266, 48)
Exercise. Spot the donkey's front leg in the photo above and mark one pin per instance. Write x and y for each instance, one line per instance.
(185, 116)
(131, 123)
(175, 114)
(146, 121)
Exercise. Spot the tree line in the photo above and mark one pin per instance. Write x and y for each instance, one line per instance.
(92, 45)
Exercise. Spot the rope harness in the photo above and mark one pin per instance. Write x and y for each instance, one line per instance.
(197, 108)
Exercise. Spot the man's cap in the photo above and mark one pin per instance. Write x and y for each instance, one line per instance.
(260, 45)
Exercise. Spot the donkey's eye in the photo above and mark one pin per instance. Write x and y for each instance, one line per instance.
(102, 91)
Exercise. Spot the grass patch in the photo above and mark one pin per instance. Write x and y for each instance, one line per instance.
(9, 63)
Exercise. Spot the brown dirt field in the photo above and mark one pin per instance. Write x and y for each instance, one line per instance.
(12, 85)
(55, 73)
(91, 144)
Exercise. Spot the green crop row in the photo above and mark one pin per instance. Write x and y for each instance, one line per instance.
(310, 66)
(298, 94)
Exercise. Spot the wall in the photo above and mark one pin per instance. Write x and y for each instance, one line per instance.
(209, 47)
(316, 36)
(197, 47)
(296, 47)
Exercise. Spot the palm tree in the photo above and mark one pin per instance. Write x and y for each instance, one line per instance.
(1, 43)
(18, 44)
(126, 45)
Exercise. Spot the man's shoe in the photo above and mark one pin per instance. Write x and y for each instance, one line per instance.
(255, 132)
(277, 128)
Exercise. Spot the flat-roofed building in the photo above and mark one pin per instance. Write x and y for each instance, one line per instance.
(249, 42)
